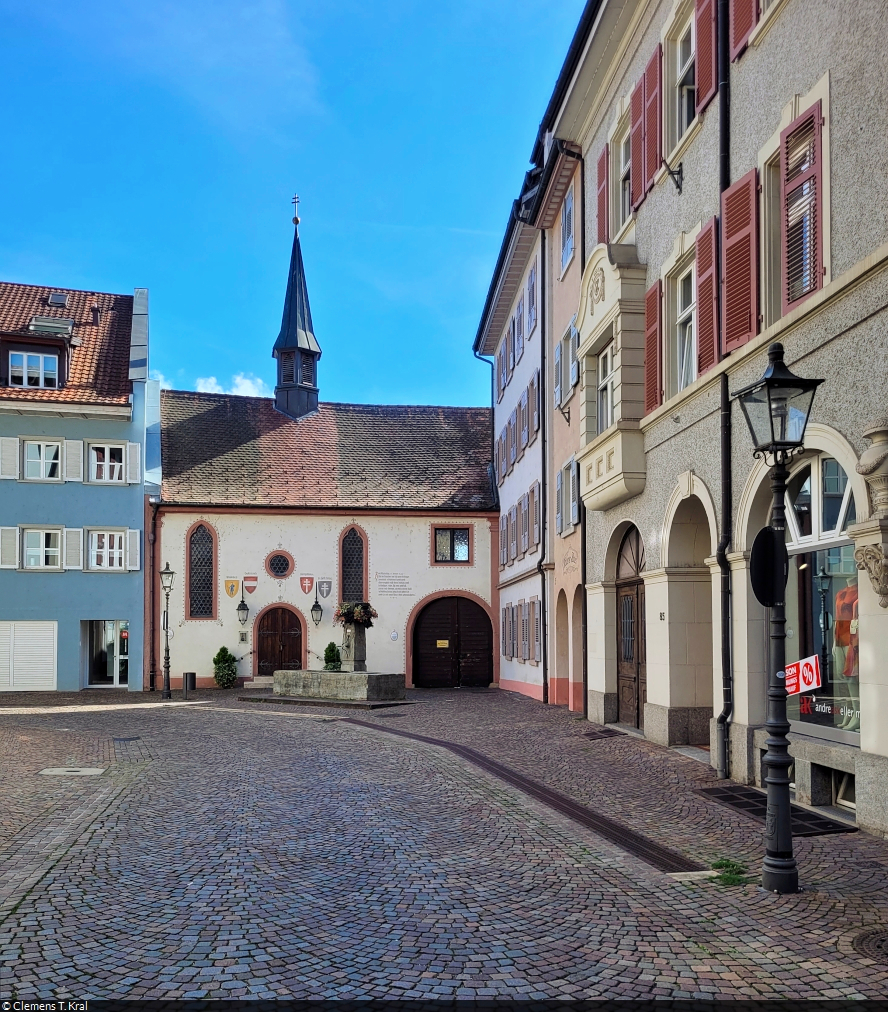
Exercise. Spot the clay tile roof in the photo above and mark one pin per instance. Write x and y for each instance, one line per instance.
(219, 449)
(99, 364)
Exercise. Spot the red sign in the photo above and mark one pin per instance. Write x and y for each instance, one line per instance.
(251, 583)
(803, 675)
(306, 583)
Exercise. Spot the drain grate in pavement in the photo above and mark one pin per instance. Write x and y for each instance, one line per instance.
(754, 803)
(634, 843)
(872, 943)
(600, 731)
(136, 738)
(73, 771)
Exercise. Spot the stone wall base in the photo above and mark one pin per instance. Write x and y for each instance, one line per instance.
(603, 708)
(677, 725)
(339, 685)
(815, 760)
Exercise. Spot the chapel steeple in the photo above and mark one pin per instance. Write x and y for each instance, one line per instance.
(296, 350)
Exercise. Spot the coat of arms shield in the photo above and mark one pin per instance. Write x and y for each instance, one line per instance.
(232, 587)
(324, 587)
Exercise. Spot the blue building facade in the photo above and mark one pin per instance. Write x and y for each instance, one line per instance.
(74, 405)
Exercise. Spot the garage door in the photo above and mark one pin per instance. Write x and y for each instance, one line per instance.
(27, 656)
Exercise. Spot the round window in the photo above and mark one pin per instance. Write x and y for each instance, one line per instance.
(279, 565)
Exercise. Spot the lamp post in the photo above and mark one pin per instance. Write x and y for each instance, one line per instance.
(823, 583)
(317, 612)
(776, 409)
(166, 582)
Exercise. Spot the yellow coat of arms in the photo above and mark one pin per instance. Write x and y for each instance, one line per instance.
(232, 587)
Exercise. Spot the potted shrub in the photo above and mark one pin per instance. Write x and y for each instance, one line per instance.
(332, 658)
(225, 669)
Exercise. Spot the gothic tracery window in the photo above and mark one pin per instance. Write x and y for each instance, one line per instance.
(352, 566)
(201, 577)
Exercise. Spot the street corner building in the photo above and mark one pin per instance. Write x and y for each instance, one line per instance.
(292, 506)
(668, 232)
(75, 412)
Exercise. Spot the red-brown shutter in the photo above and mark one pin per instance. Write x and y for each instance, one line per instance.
(706, 67)
(603, 230)
(744, 17)
(652, 351)
(801, 186)
(706, 264)
(652, 118)
(739, 241)
(636, 143)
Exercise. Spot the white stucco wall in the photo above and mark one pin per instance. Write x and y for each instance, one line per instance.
(401, 575)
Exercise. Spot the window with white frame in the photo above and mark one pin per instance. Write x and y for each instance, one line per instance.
(531, 299)
(682, 369)
(606, 382)
(27, 370)
(567, 229)
(106, 462)
(106, 550)
(43, 461)
(623, 175)
(680, 69)
(41, 549)
(519, 329)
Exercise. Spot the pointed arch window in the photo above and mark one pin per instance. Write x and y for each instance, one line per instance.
(201, 573)
(353, 566)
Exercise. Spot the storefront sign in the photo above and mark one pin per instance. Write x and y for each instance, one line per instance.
(803, 675)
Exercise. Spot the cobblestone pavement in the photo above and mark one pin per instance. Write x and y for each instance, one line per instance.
(254, 850)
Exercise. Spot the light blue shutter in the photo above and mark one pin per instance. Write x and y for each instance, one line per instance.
(558, 497)
(557, 374)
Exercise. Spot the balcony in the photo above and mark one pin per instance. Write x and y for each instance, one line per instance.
(612, 466)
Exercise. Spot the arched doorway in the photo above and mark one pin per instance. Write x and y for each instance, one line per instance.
(631, 666)
(452, 645)
(559, 686)
(278, 641)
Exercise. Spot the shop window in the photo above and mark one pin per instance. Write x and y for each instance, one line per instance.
(821, 596)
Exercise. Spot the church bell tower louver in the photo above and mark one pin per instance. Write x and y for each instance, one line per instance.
(296, 349)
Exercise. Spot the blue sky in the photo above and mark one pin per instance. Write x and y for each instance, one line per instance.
(159, 145)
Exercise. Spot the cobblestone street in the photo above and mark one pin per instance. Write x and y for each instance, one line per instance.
(250, 850)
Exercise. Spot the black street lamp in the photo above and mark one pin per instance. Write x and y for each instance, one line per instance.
(243, 610)
(776, 408)
(166, 582)
(317, 612)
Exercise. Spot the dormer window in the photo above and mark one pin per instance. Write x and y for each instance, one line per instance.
(58, 298)
(51, 325)
(308, 370)
(33, 370)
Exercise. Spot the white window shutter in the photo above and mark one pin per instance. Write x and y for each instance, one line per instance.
(9, 457)
(556, 369)
(9, 542)
(73, 460)
(574, 492)
(73, 548)
(525, 427)
(132, 550)
(134, 463)
(558, 502)
(535, 520)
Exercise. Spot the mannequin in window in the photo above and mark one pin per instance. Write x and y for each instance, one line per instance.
(845, 654)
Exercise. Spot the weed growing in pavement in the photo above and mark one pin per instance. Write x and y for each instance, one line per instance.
(733, 873)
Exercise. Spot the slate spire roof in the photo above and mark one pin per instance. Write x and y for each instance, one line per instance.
(296, 328)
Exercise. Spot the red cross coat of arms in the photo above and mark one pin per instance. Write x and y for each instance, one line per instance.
(306, 583)
(251, 583)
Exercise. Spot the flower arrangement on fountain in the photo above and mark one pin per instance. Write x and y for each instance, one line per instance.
(358, 613)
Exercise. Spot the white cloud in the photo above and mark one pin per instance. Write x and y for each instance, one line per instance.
(165, 384)
(242, 385)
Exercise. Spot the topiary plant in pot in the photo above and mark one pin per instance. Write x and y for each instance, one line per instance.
(225, 669)
(332, 658)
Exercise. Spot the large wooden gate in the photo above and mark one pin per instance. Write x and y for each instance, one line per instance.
(279, 641)
(452, 645)
(631, 656)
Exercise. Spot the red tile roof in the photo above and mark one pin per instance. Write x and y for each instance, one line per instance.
(219, 449)
(99, 367)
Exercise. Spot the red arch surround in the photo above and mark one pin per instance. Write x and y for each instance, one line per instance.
(418, 607)
(303, 623)
(187, 591)
(366, 538)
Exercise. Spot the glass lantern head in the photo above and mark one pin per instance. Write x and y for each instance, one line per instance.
(166, 578)
(243, 611)
(777, 406)
(317, 611)
(823, 581)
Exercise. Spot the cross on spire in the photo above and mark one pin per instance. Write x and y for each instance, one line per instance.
(295, 203)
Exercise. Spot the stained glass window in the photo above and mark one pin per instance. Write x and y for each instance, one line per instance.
(200, 573)
(353, 567)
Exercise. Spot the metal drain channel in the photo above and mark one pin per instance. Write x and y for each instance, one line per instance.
(640, 846)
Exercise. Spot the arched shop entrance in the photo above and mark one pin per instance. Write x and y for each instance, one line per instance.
(452, 645)
(631, 667)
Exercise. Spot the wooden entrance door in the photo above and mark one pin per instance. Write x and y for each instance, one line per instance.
(631, 666)
(279, 641)
(452, 645)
